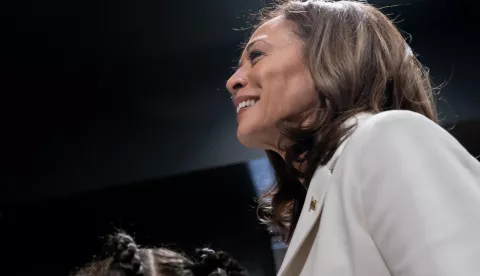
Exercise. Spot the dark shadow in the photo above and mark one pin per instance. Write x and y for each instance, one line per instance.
(208, 208)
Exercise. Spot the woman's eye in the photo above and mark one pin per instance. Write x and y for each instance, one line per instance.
(254, 55)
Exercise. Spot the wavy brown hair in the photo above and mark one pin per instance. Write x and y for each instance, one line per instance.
(360, 62)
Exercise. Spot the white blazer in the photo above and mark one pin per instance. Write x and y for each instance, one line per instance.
(399, 197)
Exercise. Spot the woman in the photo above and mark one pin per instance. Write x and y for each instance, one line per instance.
(127, 260)
(367, 183)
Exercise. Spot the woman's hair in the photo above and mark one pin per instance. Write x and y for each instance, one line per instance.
(359, 62)
(127, 259)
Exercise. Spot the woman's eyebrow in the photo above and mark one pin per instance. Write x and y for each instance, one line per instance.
(249, 46)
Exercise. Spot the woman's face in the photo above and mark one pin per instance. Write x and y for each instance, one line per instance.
(272, 83)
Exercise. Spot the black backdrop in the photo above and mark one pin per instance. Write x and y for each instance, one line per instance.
(208, 208)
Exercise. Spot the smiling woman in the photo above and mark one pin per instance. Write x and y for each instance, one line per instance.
(345, 112)
(271, 73)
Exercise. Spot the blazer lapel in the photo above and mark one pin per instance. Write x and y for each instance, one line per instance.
(311, 211)
(313, 206)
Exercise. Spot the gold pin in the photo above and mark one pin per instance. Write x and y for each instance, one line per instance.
(313, 204)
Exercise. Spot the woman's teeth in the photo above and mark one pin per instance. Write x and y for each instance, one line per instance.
(245, 104)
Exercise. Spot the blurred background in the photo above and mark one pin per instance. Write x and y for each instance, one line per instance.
(115, 115)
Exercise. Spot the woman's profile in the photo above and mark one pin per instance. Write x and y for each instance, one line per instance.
(367, 182)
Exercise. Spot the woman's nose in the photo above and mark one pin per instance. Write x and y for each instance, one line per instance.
(235, 83)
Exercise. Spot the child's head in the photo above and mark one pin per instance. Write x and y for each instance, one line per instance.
(127, 259)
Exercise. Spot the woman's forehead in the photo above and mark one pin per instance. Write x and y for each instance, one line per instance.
(274, 31)
(270, 26)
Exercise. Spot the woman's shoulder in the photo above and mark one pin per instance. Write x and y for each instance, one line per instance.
(396, 122)
(378, 135)
(397, 132)
(397, 127)
(402, 144)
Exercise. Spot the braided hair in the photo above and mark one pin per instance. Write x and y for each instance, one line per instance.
(219, 263)
(126, 258)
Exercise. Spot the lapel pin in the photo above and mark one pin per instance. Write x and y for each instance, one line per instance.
(313, 204)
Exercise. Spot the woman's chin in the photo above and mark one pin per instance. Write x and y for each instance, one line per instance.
(248, 139)
(252, 141)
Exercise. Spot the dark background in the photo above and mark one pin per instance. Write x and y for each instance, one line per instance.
(114, 114)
